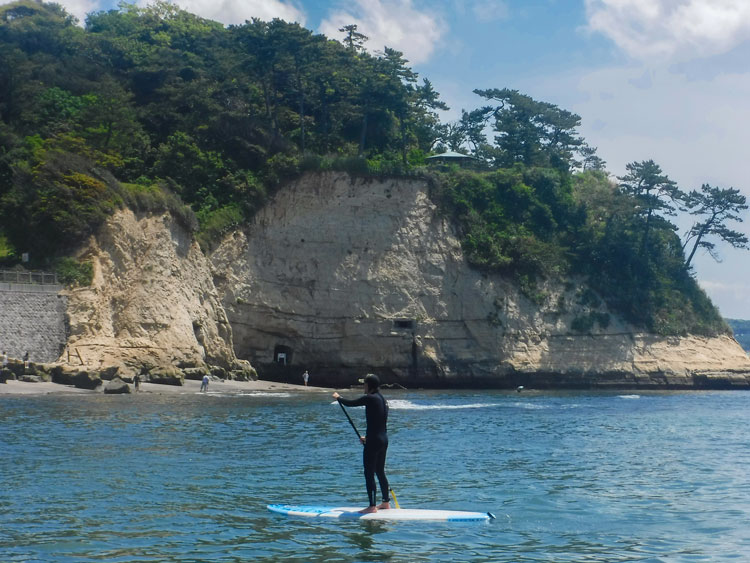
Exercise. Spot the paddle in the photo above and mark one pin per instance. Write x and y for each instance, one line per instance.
(349, 418)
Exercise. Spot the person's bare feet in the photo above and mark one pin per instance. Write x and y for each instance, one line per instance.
(369, 510)
(384, 506)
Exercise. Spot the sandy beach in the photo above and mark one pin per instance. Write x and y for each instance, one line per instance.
(190, 386)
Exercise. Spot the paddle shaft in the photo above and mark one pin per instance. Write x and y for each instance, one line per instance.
(349, 418)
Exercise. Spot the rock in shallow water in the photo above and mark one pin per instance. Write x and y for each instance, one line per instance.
(116, 386)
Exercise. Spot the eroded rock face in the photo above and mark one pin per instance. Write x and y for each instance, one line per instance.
(343, 276)
(152, 302)
(356, 275)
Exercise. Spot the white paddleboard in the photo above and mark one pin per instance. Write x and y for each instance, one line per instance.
(313, 511)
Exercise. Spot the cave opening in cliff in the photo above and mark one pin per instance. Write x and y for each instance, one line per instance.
(282, 355)
(404, 324)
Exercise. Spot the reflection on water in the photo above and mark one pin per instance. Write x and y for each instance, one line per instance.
(571, 477)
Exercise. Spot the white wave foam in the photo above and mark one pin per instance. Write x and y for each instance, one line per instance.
(530, 406)
(403, 404)
(406, 405)
(265, 394)
(629, 396)
(242, 394)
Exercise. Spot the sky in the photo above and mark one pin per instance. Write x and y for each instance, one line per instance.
(667, 80)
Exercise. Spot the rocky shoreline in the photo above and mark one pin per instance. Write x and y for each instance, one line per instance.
(13, 387)
(17, 378)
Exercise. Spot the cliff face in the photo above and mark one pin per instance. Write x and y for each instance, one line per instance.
(152, 302)
(343, 276)
(349, 275)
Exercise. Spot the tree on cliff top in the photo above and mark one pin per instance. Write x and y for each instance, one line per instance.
(653, 191)
(530, 132)
(717, 206)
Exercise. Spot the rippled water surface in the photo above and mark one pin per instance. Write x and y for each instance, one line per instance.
(570, 477)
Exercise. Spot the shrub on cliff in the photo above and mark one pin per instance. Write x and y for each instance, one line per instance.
(506, 223)
(73, 272)
(155, 197)
(216, 223)
(7, 251)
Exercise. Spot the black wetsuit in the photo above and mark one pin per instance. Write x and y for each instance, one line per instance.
(376, 443)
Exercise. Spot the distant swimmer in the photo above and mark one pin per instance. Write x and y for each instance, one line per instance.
(375, 440)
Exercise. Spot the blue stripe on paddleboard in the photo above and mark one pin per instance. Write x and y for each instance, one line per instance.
(307, 509)
(471, 519)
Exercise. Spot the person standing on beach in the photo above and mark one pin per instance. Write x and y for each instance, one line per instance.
(4, 358)
(26, 360)
(375, 440)
(204, 383)
(305, 377)
(137, 382)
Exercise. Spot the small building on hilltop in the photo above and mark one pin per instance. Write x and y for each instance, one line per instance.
(451, 157)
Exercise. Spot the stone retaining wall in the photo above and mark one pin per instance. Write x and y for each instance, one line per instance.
(32, 319)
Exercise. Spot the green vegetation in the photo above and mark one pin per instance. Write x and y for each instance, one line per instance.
(72, 272)
(635, 263)
(585, 323)
(157, 109)
(510, 218)
(6, 250)
(537, 223)
(157, 96)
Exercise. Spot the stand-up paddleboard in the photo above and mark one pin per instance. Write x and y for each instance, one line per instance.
(390, 514)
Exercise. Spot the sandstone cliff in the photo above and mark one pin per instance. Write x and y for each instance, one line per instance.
(152, 303)
(343, 276)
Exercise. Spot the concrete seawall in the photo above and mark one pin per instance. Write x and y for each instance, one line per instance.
(32, 318)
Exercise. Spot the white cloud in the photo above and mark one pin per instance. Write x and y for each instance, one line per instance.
(79, 8)
(732, 298)
(739, 289)
(237, 11)
(671, 29)
(390, 23)
(490, 10)
(696, 130)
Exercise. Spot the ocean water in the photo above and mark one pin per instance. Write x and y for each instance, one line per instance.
(570, 477)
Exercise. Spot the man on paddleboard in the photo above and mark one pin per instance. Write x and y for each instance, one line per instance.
(375, 440)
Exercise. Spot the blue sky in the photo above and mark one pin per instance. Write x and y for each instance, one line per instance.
(667, 80)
